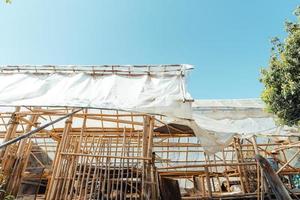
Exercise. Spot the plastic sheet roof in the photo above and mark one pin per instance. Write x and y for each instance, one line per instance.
(243, 116)
(220, 120)
(155, 89)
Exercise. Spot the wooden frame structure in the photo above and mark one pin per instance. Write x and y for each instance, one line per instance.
(107, 154)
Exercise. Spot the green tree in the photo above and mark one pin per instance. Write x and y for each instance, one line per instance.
(282, 77)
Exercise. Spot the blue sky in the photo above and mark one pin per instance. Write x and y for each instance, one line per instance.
(227, 40)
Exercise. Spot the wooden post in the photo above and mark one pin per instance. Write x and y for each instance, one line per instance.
(208, 182)
(253, 140)
(147, 153)
(6, 161)
(240, 171)
(15, 179)
(50, 192)
(11, 130)
(261, 183)
(20, 163)
(154, 183)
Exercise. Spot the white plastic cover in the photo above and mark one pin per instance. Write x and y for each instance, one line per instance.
(157, 93)
(159, 90)
(216, 122)
(219, 120)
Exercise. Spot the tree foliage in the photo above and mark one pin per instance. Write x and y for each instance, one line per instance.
(282, 77)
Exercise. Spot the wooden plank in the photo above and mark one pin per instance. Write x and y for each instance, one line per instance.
(274, 181)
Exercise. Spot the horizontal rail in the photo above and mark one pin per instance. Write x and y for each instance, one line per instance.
(12, 141)
(96, 69)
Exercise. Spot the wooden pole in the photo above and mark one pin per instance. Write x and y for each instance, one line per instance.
(50, 193)
(274, 181)
(11, 130)
(147, 153)
(208, 182)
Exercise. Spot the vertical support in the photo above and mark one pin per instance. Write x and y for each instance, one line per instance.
(20, 162)
(147, 180)
(203, 186)
(33, 120)
(261, 184)
(10, 133)
(243, 167)
(239, 167)
(50, 192)
(15, 179)
(72, 168)
(208, 182)
(226, 169)
(154, 183)
(145, 153)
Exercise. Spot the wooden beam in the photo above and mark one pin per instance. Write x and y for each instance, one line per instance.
(274, 181)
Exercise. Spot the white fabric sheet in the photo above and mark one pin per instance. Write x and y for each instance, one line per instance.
(214, 122)
(157, 94)
(219, 120)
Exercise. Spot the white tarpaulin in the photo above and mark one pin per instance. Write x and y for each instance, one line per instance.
(154, 92)
(216, 122)
(150, 89)
(220, 120)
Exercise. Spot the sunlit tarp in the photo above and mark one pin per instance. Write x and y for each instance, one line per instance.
(149, 89)
(219, 120)
(160, 90)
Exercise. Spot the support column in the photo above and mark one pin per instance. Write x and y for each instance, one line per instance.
(21, 159)
(148, 179)
(54, 186)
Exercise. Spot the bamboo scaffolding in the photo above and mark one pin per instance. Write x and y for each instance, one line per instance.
(99, 154)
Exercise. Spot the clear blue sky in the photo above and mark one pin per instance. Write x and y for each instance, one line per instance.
(227, 40)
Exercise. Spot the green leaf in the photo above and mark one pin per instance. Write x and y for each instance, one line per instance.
(281, 78)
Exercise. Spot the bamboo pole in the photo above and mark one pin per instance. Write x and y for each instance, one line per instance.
(208, 182)
(10, 132)
(56, 170)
